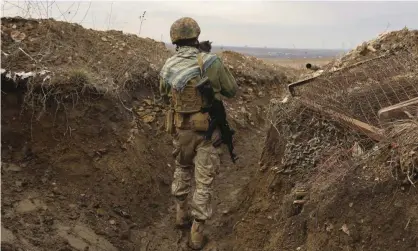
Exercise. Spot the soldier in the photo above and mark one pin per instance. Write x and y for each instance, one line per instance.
(178, 78)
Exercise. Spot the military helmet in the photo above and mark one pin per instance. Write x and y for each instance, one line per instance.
(184, 28)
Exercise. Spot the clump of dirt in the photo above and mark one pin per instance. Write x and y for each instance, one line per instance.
(387, 42)
(257, 81)
(63, 45)
(69, 56)
(253, 71)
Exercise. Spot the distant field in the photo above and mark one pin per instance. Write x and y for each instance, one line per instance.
(294, 58)
(288, 55)
(298, 63)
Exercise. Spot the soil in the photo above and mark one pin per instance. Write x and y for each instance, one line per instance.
(386, 42)
(341, 202)
(92, 171)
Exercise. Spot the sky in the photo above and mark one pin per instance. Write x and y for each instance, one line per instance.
(273, 24)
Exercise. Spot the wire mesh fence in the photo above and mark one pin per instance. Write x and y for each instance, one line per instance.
(359, 91)
(310, 128)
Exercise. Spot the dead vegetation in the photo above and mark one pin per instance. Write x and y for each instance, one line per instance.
(403, 136)
(62, 60)
(386, 42)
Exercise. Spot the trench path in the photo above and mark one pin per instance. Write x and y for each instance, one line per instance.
(230, 185)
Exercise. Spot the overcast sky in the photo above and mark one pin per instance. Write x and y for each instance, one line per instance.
(280, 24)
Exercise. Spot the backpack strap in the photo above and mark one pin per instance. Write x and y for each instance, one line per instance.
(200, 62)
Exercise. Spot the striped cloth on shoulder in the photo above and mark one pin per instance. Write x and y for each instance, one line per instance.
(183, 66)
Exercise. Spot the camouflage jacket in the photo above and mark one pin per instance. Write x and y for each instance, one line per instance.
(222, 80)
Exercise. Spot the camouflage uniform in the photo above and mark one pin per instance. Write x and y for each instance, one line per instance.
(190, 148)
(179, 76)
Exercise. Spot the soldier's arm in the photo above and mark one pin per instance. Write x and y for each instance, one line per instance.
(228, 84)
(222, 80)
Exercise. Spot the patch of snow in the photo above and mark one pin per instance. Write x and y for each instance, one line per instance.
(24, 75)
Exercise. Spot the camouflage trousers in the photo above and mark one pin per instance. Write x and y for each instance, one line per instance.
(193, 153)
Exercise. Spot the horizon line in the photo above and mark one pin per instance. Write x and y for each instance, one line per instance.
(267, 47)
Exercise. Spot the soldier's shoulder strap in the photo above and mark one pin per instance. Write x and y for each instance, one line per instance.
(200, 62)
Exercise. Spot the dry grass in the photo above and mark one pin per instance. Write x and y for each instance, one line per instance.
(403, 137)
(76, 62)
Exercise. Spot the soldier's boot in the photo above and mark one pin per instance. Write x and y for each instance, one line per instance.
(197, 239)
(182, 215)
